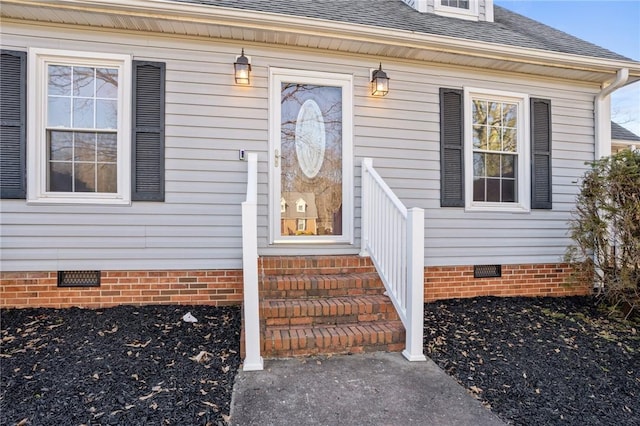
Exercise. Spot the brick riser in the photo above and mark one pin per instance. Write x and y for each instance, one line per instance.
(325, 305)
(330, 285)
(328, 311)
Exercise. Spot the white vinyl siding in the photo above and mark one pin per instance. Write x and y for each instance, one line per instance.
(209, 118)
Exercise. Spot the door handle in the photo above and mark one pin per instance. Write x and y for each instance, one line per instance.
(277, 158)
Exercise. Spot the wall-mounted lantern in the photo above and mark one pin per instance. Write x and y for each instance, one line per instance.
(242, 69)
(379, 82)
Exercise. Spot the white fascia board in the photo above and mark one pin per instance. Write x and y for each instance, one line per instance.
(268, 21)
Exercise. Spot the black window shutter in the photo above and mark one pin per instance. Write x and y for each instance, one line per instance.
(147, 149)
(13, 123)
(541, 195)
(451, 148)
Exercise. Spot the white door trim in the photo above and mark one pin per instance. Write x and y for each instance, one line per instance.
(345, 81)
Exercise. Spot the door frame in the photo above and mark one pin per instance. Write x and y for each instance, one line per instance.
(345, 81)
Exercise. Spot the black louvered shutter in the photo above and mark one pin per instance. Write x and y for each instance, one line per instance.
(148, 131)
(541, 196)
(451, 148)
(13, 122)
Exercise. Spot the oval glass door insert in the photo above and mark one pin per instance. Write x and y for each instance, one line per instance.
(310, 138)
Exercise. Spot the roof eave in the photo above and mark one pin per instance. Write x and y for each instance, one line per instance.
(312, 27)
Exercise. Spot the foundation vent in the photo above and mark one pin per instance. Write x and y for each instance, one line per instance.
(487, 271)
(78, 278)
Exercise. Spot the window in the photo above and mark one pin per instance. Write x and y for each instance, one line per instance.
(463, 9)
(462, 4)
(495, 150)
(301, 206)
(283, 205)
(302, 224)
(81, 128)
(86, 143)
(80, 122)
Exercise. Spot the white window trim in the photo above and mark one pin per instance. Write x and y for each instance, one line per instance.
(524, 147)
(36, 127)
(471, 14)
(276, 77)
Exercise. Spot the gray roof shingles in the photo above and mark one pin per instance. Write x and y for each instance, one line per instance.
(620, 133)
(508, 28)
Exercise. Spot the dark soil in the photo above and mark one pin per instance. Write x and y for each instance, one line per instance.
(532, 361)
(127, 365)
(546, 361)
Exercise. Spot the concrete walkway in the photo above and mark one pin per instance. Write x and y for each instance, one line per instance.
(369, 389)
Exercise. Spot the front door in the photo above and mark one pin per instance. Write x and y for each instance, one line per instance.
(311, 157)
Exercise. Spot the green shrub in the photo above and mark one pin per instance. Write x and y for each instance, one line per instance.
(605, 229)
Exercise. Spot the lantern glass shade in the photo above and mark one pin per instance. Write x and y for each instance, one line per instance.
(242, 69)
(379, 82)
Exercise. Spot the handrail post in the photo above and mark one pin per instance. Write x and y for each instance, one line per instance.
(252, 361)
(414, 350)
(364, 204)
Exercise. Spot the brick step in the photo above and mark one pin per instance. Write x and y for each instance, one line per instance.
(334, 310)
(305, 286)
(333, 339)
(314, 265)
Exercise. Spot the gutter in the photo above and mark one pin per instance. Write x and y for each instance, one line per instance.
(602, 114)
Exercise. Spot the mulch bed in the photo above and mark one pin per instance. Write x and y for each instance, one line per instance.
(125, 365)
(541, 361)
(544, 361)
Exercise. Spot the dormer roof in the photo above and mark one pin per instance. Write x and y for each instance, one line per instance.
(621, 133)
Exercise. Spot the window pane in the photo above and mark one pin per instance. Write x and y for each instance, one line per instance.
(510, 115)
(60, 177)
(478, 165)
(463, 4)
(509, 166)
(106, 114)
(59, 80)
(107, 178)
(85, 177)
(107, 148)
(83, 113)
(493, 190)
(494, 113)
(83, 82)
(509, 140)
(85, 147)
(478, 189)
(495, 143)
(60, 146)
(508, 191)
(58, 112)
(480, 137)
(479, 112)
(492, 165)
(107, 83)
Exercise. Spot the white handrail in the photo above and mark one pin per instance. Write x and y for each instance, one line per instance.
(393, 236)
(253, 360)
